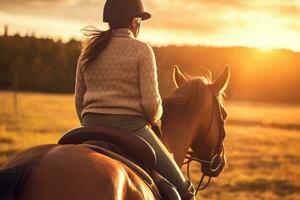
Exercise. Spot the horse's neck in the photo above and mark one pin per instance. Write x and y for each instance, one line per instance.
(178, 134)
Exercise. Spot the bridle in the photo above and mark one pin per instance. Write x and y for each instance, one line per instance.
(217, 161)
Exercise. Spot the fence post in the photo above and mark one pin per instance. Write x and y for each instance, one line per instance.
(15, 93)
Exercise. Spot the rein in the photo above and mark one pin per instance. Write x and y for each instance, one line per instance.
(217, 159)
(191, 157)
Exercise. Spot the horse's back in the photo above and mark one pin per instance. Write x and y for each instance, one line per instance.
(75, 172)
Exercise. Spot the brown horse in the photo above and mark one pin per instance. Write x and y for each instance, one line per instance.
(64, 172)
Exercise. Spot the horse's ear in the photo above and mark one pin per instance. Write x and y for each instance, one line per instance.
(178, 77)
(221, 83)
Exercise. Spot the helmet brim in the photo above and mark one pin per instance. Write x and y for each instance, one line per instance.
(143, 15)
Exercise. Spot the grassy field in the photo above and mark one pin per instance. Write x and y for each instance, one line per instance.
(262, 143)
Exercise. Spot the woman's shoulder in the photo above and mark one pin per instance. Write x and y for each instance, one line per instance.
(142, 46)
(132, 44)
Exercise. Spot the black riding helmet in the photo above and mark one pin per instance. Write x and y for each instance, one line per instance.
(118, 10)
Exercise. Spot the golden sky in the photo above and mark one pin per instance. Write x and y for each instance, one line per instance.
(258, 23)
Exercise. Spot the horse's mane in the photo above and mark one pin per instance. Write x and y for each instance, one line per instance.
(188, 97)
(14, 173)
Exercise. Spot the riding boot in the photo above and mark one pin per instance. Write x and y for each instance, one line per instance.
(188, 192)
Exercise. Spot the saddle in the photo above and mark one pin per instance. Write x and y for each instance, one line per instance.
(131, 150)
(136, 148)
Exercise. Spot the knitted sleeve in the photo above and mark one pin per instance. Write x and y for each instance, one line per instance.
(80, 89)
(150, 97)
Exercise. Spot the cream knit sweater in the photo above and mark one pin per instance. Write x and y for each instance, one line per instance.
(122, 80)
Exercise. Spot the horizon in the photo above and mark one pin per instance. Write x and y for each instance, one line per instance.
(239, 23)
(32, 34)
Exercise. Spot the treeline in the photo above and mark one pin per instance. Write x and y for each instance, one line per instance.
(31, 64)
(256, 75)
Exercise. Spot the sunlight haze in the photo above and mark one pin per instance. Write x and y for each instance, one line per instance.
(257, 23)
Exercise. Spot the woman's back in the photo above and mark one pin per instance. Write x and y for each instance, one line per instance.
(122, 79)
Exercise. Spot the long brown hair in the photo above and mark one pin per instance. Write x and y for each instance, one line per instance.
(98, 40)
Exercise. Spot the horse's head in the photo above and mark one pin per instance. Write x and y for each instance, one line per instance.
(210, 116)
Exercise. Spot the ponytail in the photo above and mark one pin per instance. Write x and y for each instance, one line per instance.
(96, 43)
(98, 40)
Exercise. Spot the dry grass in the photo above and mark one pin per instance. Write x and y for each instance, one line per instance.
(263, 161)
(37, 119)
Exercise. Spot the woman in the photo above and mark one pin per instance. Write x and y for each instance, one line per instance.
(116, 84)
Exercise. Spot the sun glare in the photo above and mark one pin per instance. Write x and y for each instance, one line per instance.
(240, 28)
(265, 49)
